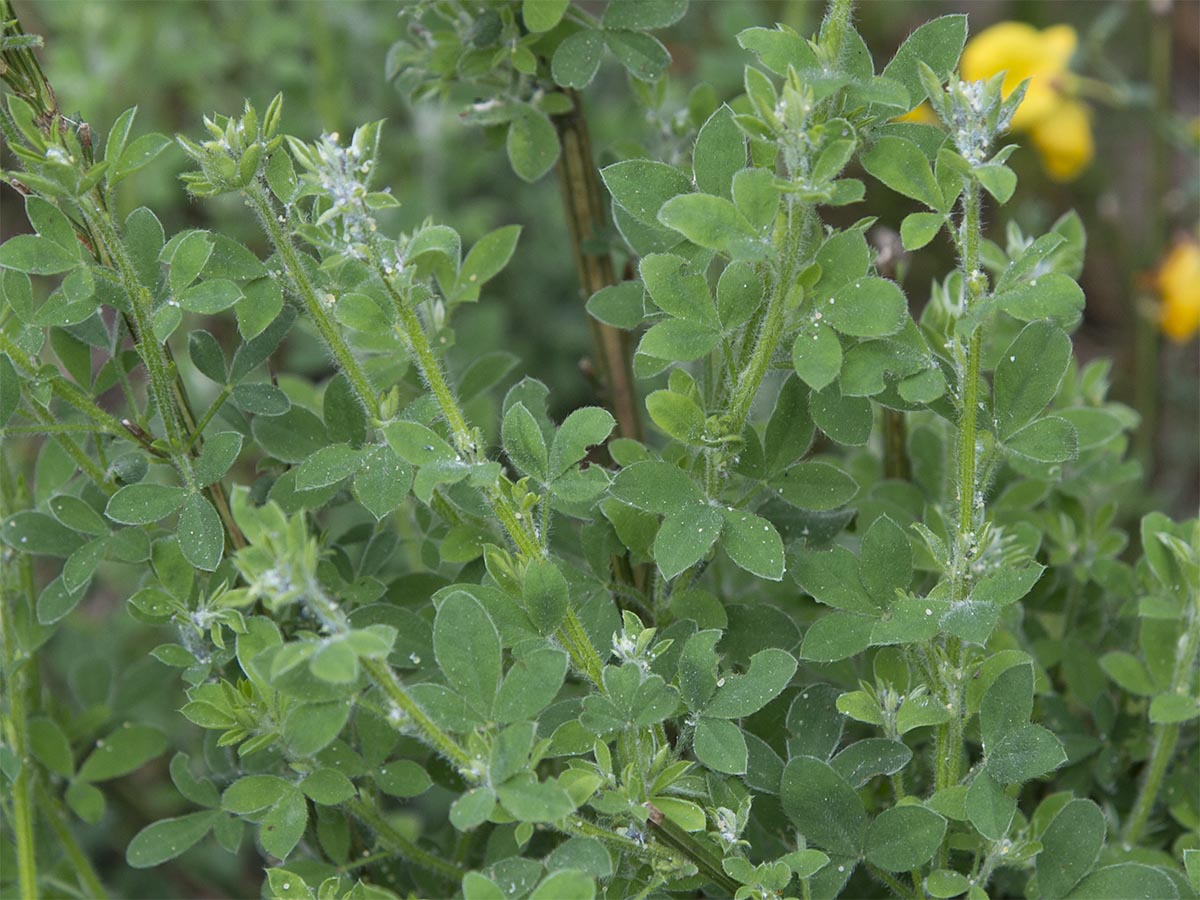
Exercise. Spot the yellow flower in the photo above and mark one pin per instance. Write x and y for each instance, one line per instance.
(1178, 283)
(1058, 125)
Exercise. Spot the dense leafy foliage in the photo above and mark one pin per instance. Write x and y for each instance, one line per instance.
(859, 616)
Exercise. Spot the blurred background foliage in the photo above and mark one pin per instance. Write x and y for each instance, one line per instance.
(179, 60)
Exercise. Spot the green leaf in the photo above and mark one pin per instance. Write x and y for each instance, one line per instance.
(210, 297)
(583, 428)
(190, 256)
(402, 778)
(817, 356)
(122, 751)
(832, 577)
(642, 186)
(382, 481)
(756, 196)
(36, 255)
(644, 57)
(904, 837)
(998, 180)
(1170, 709)
(918, 229)
(743, 695)
(136, 156)
(715, 223)
(50, 746)
(201, 535)
(657, 487)
(219, 453)
(1028, 375)
(865, 759)
(885, 562)
(1052, 296)
(311, 727)
(937, 44)
(327, 466)
(678, 340)
(1023, 754)
(531, 685)
(900, 164)
(823, 806)
(677, 292)
(472, 808)
(1007, 704)
(566, 884)
(684, 538)
(835, 636)
(779, 48)
(677, 416)
(546, 595)
(847, 420)
(945, 883)
(327, 787)
(168, 838)
(720, 746)
(1071, 844)
(577, 59)
(753, 543)
(643, 15)
(1049, 440)
(542, 15)
(524, 442)
(720, 152)
(584, 854)
(529, 800)
(532, 143)
(619, 305)
(39, 534)
(1129, 881)
(143, 504)
(486, 259)
(867, 307)
(291, 437)
(467, 647)
(740, 293)
(281, 829)
(988, 807)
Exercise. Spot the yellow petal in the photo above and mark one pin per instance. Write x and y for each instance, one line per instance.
(1178, 283)
(1022, 52)
(1064, 140)
(922, 115)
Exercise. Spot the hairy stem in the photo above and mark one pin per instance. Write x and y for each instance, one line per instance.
(89, 880)
(1165, 736)
(142, 303)
(401, 846)
(16, 587)
(261, 203)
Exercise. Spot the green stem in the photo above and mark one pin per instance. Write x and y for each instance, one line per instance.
(687, 844)
(212, 411)
(16, 586)
(142, 304)
(88, 878)
(400, 845)
(261, 203)
(1166, 736)
(571, 633)
(891, 881)
(771, 330)
(326, 610)
(835, 26)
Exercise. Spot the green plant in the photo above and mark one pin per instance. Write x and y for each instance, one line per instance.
(385, 607)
